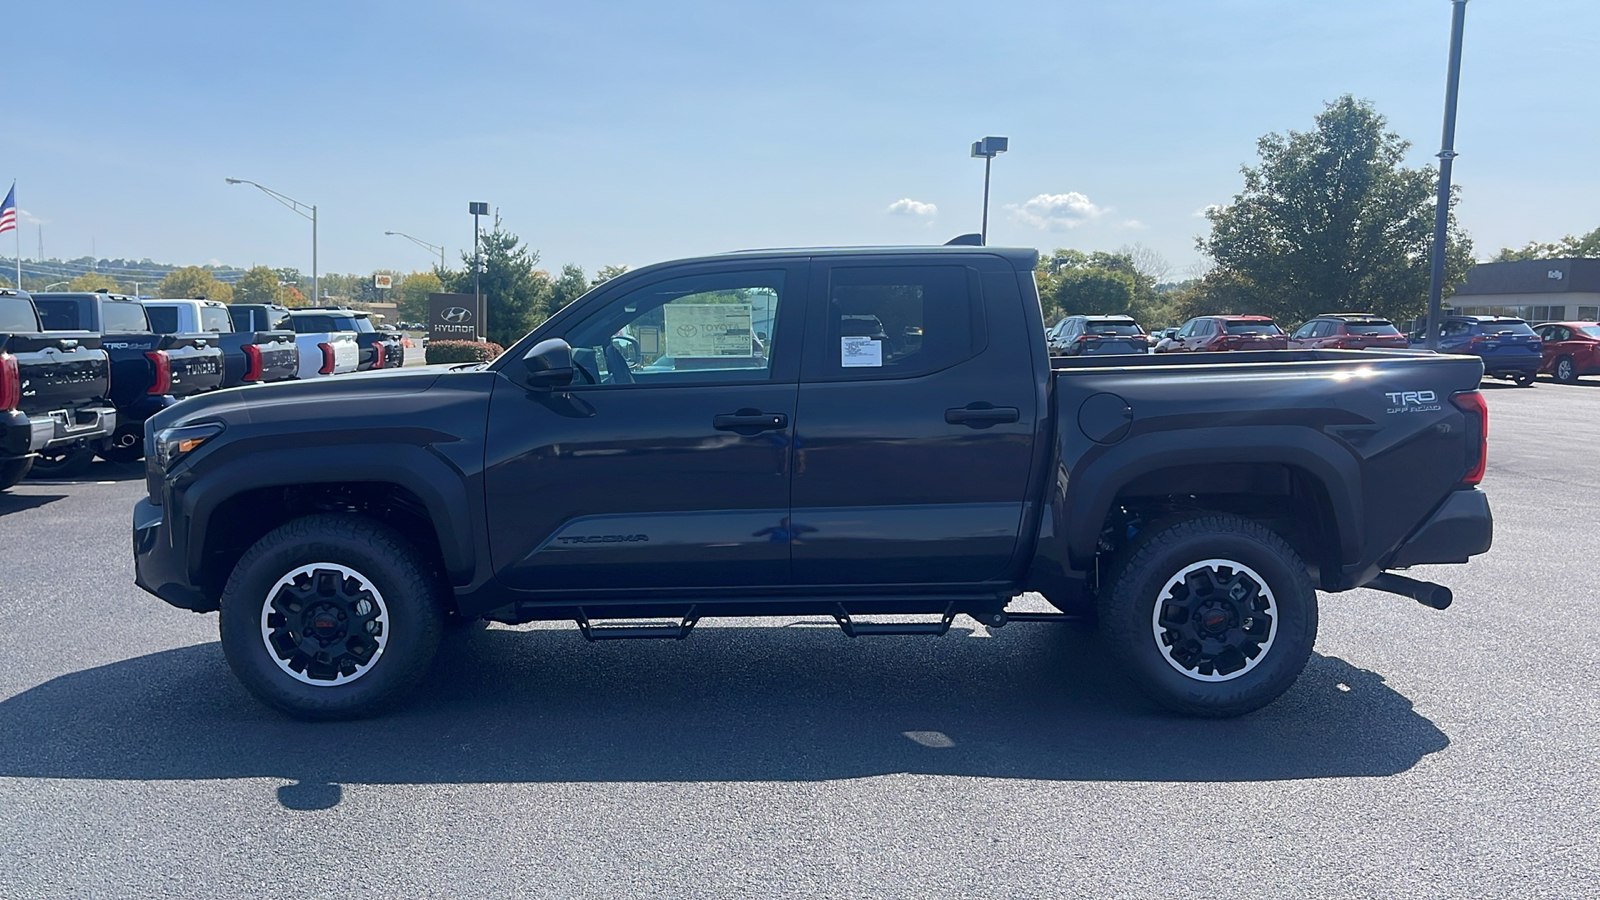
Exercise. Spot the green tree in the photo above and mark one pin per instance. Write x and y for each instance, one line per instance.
(93, 281)
(259, 285)
(570, 286)
(1329, 220)
(193, 281)
(516, 296)
(411, 295)
(1569, 247)
(606, 273)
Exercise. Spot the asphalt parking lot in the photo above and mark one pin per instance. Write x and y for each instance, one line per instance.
(1423, 753)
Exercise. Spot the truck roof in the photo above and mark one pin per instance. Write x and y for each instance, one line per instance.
(1023, 257)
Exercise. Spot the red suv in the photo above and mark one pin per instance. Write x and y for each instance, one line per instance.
(1212, 333)
(1348, 331)
(1570, 349)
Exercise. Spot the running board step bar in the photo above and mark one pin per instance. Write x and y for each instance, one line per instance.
(592, 632)
(853, 628)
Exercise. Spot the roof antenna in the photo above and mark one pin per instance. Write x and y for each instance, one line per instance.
(965, 240)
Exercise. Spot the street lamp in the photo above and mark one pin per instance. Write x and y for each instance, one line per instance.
(299, 208)
(988, 149)
(477, 209)
(421, 243)
(1447, 156)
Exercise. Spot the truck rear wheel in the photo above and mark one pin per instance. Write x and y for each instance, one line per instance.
(14, 470)
(1211, 616)
(330, 617)
(63, 462)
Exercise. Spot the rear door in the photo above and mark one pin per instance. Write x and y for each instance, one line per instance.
(913, 446)
(666, 464)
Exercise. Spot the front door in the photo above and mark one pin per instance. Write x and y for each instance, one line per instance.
(915, 425)
(666, 464)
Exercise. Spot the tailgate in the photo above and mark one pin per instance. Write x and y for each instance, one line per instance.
(195, 360)
(60, 371)
(280, 358)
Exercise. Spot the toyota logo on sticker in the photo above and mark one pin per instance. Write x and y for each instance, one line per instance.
(456, 315)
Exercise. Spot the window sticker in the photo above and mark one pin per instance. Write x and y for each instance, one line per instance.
(858, 352)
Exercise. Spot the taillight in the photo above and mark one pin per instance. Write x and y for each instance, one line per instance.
(1085, 337)
(1477, 412)
(327, 359)
(252, 356)
(377, 356)
(10, 382)
(163, 366)
(1475, 340)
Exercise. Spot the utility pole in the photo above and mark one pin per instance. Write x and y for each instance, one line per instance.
(1447, 156)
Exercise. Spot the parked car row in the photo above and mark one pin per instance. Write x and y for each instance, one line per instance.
(81, 372)
(1509, 347)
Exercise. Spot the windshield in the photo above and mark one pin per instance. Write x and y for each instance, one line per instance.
(1512, 327)
(1252, 328)
(1372, 328)
(1112, 328)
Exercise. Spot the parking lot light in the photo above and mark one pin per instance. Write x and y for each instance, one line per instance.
(300, 209)
(988, 149)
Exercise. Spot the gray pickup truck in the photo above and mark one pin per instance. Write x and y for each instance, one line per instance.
(722, 437)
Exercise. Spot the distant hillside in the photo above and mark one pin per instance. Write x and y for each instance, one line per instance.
(38, 273)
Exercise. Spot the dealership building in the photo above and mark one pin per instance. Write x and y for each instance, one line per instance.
(1538, 290)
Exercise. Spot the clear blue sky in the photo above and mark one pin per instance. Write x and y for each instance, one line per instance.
(634, 132)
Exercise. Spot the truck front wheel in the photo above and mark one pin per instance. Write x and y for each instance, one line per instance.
(1211, 616)
(330, 616)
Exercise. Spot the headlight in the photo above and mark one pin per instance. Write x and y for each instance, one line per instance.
(172, 444)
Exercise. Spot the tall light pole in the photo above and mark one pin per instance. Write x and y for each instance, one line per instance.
(988, 149)
(1447, 156)
(477, 209)
(299, 208)
(439, 248)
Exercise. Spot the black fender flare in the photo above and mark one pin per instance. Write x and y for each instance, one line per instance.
(1094, 485)
(435, 480)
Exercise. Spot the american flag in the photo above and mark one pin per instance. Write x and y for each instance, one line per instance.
(8, 213)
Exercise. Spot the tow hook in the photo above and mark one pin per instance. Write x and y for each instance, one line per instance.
(1436, 596)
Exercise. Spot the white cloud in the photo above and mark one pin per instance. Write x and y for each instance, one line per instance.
(1057, 212)
(910, 207)
(28, 217)
(1206, 210)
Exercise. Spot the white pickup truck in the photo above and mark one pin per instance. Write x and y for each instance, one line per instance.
(321, 353)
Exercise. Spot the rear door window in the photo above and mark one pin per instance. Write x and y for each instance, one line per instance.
(899, 321)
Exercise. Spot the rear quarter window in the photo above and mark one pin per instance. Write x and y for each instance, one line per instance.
(123, 317)
(163, 319)
(16, 316)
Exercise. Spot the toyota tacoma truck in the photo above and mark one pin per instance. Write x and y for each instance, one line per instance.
(53, 390)
(720, 437)
(149, 371)
(248, 356)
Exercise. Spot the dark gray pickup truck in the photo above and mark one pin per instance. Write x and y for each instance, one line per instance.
(721, 437)
(54, 390)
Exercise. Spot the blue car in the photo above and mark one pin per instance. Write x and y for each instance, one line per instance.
(1507, 346)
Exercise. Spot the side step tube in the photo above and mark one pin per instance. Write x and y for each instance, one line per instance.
(593, 632)
(1436, 596)
(853, 628)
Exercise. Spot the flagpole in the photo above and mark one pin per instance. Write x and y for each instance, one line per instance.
(17, 227)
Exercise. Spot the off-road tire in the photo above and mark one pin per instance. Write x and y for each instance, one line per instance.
(67, 462)
(411, 593)
(14, 470)
(1128, 614)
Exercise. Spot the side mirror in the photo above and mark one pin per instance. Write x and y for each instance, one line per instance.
(548, 364)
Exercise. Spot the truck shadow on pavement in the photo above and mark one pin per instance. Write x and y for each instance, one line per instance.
(728, 704)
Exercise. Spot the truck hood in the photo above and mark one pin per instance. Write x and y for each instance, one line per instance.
(332, 399)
